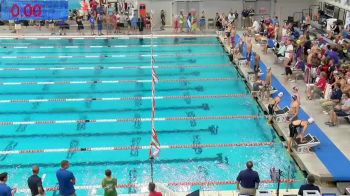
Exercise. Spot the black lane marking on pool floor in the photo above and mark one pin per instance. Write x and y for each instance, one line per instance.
(213, 130)
(204, 106)
(10, 146)
(195, 88)
(218, 159)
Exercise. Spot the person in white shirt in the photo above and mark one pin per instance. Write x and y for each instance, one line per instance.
(231, 17)
(255, 28)
(289, 49)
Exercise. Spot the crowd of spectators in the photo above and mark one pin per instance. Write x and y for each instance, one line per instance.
(322, 60)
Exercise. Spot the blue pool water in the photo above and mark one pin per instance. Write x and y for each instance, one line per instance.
(177, 58)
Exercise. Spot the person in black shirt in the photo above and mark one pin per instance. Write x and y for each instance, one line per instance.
(309, 186)
(35, 184)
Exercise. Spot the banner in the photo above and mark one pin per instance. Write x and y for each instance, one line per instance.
(34, 10)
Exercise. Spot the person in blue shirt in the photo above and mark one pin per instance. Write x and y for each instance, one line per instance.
(66, 180)
(309, 186)
(248, 180)
(332, 54)
(4, 189)
(335, 98)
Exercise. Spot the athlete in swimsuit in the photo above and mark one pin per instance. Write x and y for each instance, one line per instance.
(296, 132)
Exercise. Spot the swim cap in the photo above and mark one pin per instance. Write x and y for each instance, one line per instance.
(310, 120)
(294, 97)
(280, 94)
(295, 88)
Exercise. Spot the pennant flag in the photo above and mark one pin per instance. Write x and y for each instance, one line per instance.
(155, 145)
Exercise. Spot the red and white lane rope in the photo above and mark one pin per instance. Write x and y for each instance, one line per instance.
(110, 67)
(112, 37)
(110, 46)
(118, 81)
(126, 148)
(42, 122)
(193, 183)
(124, 98)
(114, 56)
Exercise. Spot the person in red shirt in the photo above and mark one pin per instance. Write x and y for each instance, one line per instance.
(317, 88)
(93, 5)
(152, 190)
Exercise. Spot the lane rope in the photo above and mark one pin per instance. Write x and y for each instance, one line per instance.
(125, 148)
(43, 122)
(124, 98)
(193, 183)
(115, 56)
(117, 81)
(111, 67)
(122, 37)
(110, 46)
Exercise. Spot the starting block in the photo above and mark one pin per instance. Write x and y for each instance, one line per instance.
(310, 142)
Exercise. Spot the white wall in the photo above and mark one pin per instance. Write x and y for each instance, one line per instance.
(285, 8)
(340, 4)
(210, 7)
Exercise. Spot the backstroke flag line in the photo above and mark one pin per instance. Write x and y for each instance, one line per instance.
(155, 145)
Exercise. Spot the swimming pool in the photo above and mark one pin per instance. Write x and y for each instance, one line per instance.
(50, 88)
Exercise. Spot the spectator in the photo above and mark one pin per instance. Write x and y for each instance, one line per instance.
(79, 21)
(52, 27)
(335, 98)
(340, 111)
(85, 7)
(255, 28)
(152, 190)
(99, 24)
(248, 180)
(202, 22)
(66, 180)
(109, 184)
(162, 19)
(92, 24)
(218, 23)
(35, 184)
(100, 10)
(309, 186)
(317, 88)
(332, 54)
(4, 189)
(18, 27)
(231, 18)
(93, 5)
(182, 20)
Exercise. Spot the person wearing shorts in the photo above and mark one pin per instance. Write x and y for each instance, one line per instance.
(340, 111)
(18, 27)
(288, 69)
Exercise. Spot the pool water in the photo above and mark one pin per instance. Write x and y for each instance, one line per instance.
(181, 61)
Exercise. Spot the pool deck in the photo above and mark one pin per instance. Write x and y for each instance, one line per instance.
(218, 193)
(307, 161)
